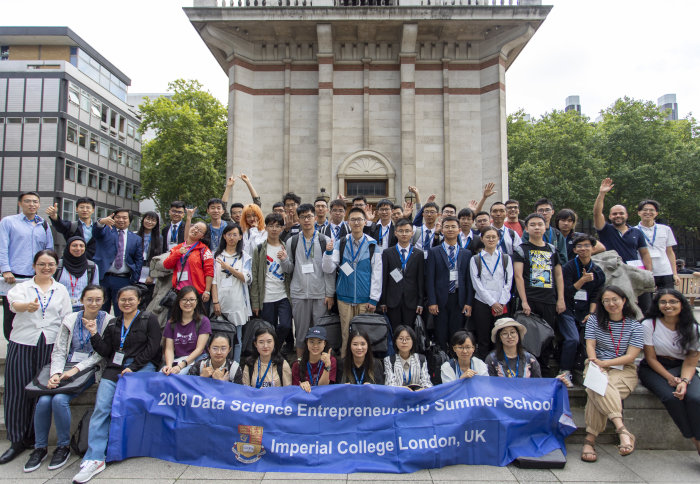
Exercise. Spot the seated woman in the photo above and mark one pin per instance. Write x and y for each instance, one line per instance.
(75, 271)
(131, 344)
(218, 366)
(360, 366)
(316, 367)
(407, 368)
(186, 333)
(266, 367)
(510, 359)
(466, 365)
(671, 353)
(71, 354)
(613, 340)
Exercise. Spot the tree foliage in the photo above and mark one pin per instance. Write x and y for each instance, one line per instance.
(564, 156)
(187, 158)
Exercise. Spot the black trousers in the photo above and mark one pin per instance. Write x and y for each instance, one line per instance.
(23, 363)
(645, 300)
(401, 315)
(482, 321)
(449, 320)
(8, 316)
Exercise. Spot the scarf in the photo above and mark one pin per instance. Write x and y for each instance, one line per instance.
(76, 266)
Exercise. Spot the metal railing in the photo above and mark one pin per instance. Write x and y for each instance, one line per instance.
(362, 3)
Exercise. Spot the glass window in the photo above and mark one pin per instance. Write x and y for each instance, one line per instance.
(68, 210)
(104, 148)
(72, 132)
(82, 137)
(122, 123)
(4, 52)
(113, 119)
(95, 108)
(74, 56)
(111, 185)
(120, 156)
(92, 178)
(137, 164)
(112, 152)
(129, 191)
(82, 178)
(102, 182)
(129, 161)
(369, 188)
(105, 111)
(49, 120)
(84, 101)
(120, 188)
(101, 212)
(130, 130)
(70, 171)
(138, 135)
(94, 143)
(73, 96)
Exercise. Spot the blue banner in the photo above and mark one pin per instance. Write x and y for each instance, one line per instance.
(337, 428)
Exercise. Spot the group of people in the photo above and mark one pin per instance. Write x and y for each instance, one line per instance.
(469, 268)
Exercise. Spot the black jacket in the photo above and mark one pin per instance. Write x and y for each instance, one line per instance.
(411, 288)
(180, 235)
(65, 228)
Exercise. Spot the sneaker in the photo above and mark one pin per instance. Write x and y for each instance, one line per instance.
(35, 459)
(60, 457)
(567, 379)
(88, 470)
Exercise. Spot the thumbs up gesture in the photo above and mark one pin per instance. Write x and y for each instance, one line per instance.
(587, 276)
(33, 306)
(52, 211)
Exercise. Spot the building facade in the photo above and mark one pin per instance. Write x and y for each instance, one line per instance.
(668, 103)
(66, 130)
(368, 99)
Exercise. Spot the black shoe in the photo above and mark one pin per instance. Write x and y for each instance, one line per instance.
(60, 457)
(10, 454)
(35, 459)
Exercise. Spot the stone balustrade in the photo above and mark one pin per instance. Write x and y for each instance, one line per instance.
(362, 3)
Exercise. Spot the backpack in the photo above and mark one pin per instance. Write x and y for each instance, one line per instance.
(295, 242)
(436, 357)
(279, 372)
(343, 243)
(504, 260)
(90, 271)
(421, 359)
(79, 439)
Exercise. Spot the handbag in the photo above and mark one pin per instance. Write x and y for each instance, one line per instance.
(168, 300)
(73, 385)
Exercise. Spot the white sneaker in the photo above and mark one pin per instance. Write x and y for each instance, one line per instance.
(88, 470)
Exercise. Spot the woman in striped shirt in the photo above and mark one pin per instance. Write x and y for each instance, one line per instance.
(613, 341)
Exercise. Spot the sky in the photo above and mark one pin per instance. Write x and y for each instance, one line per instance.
(600, 50)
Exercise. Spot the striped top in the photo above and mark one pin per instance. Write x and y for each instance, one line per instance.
(615, 341)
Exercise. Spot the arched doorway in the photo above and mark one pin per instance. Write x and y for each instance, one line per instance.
(367, 173)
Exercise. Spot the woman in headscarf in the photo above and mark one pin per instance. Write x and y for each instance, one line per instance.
(75, 271)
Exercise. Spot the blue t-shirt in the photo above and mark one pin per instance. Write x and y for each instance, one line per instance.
(626, 245)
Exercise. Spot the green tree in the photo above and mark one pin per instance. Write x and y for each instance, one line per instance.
(187, 158)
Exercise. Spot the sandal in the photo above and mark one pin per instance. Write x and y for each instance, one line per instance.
(589, 456)
(625, 449)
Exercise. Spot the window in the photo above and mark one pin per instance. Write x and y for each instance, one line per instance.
(112, 152)
(82, 137)
(122, 122)
(104, 148)
(369, 188)
(68, 210)
(130, 130)
(84, 101)
(105, 111)
(92, 178)
(95, 108)
(94, 143)
(101, 212)
(113, 119)
(74, 56)
(82, 179)
(4, 52)
(111, 185)
(138, 136)
(70, 171)
(102, 182)
(129, 161)
(137, 164)
(120, 188)
(129, 191)
(120, 157)
(73, 96)
(72, 132)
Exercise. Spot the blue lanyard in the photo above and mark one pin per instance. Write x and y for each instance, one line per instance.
(259, 381)
(79, 322)
(312, 380)
(41, 302)
(465, 245)
(124, 335)
(495, 266)
(383, 233)
(508, 372)
(354, 255)
(653, 239)
(361, 379)
(458, 370)
(307, 252)
(578, 267)
(405, 381)
(430, 239)
(547, 238)
(404, 261)
(453, 260)
(317, 226)
(182, 259)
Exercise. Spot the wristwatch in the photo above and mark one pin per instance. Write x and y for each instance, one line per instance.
(687, 381)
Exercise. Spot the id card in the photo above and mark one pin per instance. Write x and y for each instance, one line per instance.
(396, 275)
(453, 275)
(581, 296)
(636, 263)
(183, 276)
(347, 269)
(654, 251)
(79, 356)
(118, 358)
(308, 268)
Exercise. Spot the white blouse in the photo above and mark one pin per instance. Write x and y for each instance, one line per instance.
(55, 304)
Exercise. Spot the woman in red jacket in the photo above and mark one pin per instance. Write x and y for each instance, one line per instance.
(192, 262)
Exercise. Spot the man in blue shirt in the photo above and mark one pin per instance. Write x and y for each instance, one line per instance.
(21, 237)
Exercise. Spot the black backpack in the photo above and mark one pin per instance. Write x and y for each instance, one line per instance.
(436, 357)
(79, 439)
(343, 243)
(90, 271)
(504, 260)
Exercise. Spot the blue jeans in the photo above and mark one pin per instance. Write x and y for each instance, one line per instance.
(237, 347)
(59, 404)
(111, 285)
(566, 324)
(279, 314)
(102, 416)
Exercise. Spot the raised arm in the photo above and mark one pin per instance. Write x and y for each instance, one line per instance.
(488, 192)
(598, 218)
(251, 189)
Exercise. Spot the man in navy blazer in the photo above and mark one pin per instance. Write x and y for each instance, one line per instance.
(119, 255)
(449, 289)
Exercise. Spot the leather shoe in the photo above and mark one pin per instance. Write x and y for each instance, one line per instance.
(11, 453)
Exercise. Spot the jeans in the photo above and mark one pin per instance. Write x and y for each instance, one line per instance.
(566, 324)
(111, 285)
(279, 314)
(59, 405)
(98, 435)
(237, 347)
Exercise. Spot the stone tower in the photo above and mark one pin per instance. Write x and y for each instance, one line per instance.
(368, 99)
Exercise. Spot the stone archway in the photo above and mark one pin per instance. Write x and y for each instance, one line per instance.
(370, 169)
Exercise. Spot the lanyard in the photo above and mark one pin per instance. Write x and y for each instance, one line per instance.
(404, 261)
(307, 252)
(383, 233)
(73, 284)
(41, 302)
(549, 237)
(312, 380)
(182, 259)
(405, 381)
(453, 260)
(79, 323)
(495, 266)
(259, 381)
(578, 266)
(617, 348)
(466, 244)
(123, 334)
(361, 379)
(146, 245)
(653, 237)
(318, 226)
(458, 370)
(354, 255)
(173, 232)
(430, 239)
(508, 372)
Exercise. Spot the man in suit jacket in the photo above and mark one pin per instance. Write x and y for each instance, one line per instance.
(403, 270)
(337, 228)
(428, 234)
(85, 207)
(448, 285)
(119, 255)
(174, 232)
(383, 230)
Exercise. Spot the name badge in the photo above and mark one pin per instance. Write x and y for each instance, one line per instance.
(347, 269)
(425, 252)
(74, 301)
(79, 356)
(307, 268)
(581, 296)
(453, 275)
(118, 358)
(396, 275)
(183, 276)
(654, 251)
(636, 263)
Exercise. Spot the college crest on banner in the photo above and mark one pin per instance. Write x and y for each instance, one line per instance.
(337, 428)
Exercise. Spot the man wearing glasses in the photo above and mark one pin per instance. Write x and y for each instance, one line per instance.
(545, 208)
(428, 234)
(174, 232)
(383, 230)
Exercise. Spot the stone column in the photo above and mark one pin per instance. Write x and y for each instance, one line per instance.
(407, 59)
(287, 116)
(447, 160)
(325, 107)
(365, 101)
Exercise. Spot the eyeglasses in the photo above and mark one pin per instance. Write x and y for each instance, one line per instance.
(50, 265)
(337, 210)
(463, 348)
(430, 212)
(219, 349)
(404, 232)
(490, 237)
(30, 202)
(582, 246)
(97, 300)
(669, 302)
(512, 207)
(544, 210)
(188, 301)
(356, 220)
(404, 340)
(198, 230)
(128, 301)
(306, 217)
(612, 300)
(384, 209)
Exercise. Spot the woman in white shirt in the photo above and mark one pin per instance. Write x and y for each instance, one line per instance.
(253, 225)
(491, 272)
(40, 305)
(466, 365)
(671, 353)
(407, 368)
